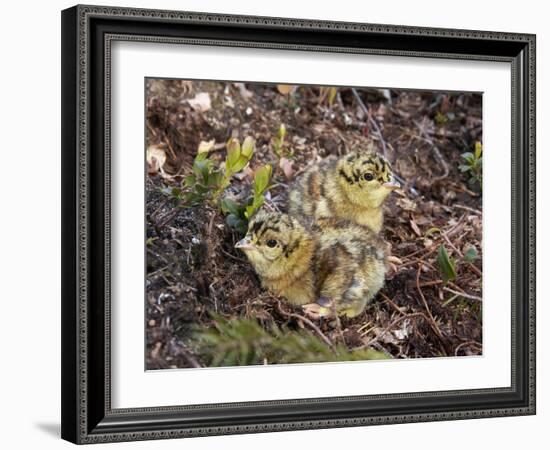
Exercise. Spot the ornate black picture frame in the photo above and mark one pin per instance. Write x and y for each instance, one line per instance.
(87, 34)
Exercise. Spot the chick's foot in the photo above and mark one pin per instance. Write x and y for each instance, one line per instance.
(322, 308)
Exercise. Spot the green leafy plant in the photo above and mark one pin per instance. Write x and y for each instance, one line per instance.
(234, 212)
(208, 179)
(238, 214)
(473, 164)
(259, 187)
(470, 255)
(202, 182)
(441, 119)
(447, 266)
(328, 94)
(237, 158)
(243, 342)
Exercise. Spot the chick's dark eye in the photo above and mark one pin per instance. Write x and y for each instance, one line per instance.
(271, 243)
(368, 176)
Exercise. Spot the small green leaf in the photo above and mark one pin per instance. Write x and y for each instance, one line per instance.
(233, 154)
(248, 148)
(201, 157)
(446, 265)
(229, 206)
(478, 150)
(215, 180)
(332, 95)
(256, 204)
(202, 169)
(176, 192)
(232, 220)
(172, 192)
(282, 132)
(200, 188)
(241, 226)
(239, 165)
(432, 231)
(190, 180)
(470, 255)
(261, 179)
(193, 198)
(237, 223)
(440, 119)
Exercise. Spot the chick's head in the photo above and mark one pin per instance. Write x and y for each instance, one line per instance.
(276, 244)
(366, 178)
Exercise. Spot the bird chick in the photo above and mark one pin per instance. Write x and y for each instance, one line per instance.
(352, 187)
(342, 261)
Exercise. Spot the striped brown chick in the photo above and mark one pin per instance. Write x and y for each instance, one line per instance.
(341, 262)
(352, 187)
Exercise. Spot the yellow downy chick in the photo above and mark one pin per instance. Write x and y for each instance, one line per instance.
(352, 188)
(342, 262)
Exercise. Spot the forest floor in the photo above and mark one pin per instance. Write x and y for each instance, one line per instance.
(193, 268)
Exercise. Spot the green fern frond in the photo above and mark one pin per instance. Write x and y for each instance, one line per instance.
(244, 342)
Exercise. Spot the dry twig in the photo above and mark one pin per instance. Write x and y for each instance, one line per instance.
(307, 322)
(463, 294)
(432, 320)
(371, 119)
(391, 325)
(474, 343)
(435, 150)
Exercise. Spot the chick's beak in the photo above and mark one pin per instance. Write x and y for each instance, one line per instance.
(392, 184)
(245, 244)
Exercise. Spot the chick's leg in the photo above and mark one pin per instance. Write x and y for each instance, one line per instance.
(355, 298)
(322, 308)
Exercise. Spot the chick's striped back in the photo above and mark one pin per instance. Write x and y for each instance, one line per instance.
(349, 264)
(352, 187)
(309, 198)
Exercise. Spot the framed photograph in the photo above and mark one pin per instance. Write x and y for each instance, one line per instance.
(279, 224)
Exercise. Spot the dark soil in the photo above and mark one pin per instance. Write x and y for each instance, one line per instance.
(193, 268)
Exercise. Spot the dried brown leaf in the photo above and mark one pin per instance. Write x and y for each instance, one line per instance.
(394, 259)
(201, 102)
(206, 146)
(406, 204)
(286, 165)
(286, 89)
(415, 228)
(245, 93)
(156, 158)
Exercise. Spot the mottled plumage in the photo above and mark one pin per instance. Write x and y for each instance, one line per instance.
(352, 188)
(342, 261)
